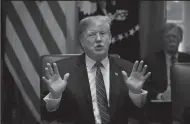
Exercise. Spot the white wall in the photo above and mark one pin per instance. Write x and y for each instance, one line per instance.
(185, 46)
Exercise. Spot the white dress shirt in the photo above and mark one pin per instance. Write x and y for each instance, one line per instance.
(91, 71)
(138, 99)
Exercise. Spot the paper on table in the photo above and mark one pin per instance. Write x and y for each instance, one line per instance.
(160, 100)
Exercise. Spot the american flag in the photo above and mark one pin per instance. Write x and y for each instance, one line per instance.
(33, 29)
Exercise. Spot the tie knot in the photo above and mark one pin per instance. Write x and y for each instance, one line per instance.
(98, 64)
(173, 59)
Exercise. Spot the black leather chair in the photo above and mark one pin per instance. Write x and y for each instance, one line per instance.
(180, 84)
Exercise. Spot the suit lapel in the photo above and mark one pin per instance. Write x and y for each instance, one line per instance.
(115, 85)
(84, 83)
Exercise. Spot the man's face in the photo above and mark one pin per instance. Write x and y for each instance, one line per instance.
(172, 41)
(96, 39)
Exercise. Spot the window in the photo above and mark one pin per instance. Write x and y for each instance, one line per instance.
(175, 13)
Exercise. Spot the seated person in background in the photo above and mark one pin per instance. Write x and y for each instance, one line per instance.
(94, 88)
(160, 62)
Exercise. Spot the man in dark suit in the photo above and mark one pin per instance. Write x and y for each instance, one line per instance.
(94, 88)
(159, 64)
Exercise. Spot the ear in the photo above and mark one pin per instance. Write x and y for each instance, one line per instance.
(81, 43)
(181, 38)
(110, 37)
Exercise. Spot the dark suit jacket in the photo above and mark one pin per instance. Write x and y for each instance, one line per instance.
(157, 82)
(76, 103)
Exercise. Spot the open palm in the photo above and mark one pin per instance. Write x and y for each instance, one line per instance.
(137, 77)
(55, 83)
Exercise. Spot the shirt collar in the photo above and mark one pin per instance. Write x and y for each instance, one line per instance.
(169, 56)
(90, 62)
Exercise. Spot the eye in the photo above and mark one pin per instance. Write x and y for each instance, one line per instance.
(175, 36)
(91, 34)
(103, 33)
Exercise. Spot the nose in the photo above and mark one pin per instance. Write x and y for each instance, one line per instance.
(173, 39)
(98, 37)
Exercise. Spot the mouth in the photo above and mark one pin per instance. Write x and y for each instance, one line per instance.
(99, 47)
(172, 45)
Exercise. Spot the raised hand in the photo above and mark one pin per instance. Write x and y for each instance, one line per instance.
(137, 77)
(55, 83)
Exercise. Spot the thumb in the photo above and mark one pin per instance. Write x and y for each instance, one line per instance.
(66, 76)
(125, 75)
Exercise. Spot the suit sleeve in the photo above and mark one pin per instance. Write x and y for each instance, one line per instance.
(67, 106)
(65, 113)
(133, 111)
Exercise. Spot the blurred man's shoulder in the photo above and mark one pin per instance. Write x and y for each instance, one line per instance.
(122, 63)
(68, 60)
(154, 56)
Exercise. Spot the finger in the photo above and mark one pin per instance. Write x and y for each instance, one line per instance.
(66, 76)
(147, 75)
(47, 73)
(163, 97)
(125, 75)
(140, 66)
(55, 68)
(160, 96)
(135, 66)
(144, 70)
(46, 81)
(50, 69)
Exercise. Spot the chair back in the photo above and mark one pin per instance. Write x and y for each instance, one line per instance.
(180, 84)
